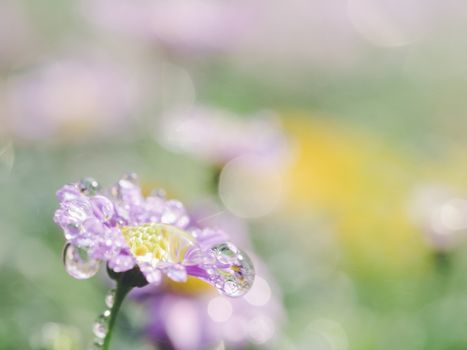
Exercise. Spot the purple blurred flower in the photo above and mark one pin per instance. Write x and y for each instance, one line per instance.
(219, 136)
(69, 98)
(124, 229)
(179, 25)
(207, 320)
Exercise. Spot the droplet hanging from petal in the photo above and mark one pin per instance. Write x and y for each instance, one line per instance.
(78, 263)
(233, 273)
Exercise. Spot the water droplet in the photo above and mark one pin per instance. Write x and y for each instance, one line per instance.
(104, 317)
(174, 214)
(98, 343)
(132, 177)
(109, 298)
(78, 264)
(100, 327)
(89, 186)
(154, 276)
(159, 192)
(102, 207)
(177, 273)
(234, 272)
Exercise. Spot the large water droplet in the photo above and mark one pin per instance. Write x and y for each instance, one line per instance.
(78, 264)
(234, 273)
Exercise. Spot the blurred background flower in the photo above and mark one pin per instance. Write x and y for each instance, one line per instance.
(17, 38)
(70, 99)
(218, 136)
(336, 129)
(181, 27)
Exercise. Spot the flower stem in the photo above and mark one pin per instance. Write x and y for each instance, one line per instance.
(122, 289)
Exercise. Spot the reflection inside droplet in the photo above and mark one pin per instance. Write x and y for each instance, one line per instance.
(78, 264)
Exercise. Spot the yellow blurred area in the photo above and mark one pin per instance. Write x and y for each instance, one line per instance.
(364, 187)
(193, 286)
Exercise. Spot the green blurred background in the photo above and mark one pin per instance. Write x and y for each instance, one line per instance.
(366, 243)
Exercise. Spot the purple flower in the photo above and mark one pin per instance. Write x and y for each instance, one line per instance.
(123, 228)
(69, 98)
(192, 26)
(218, 136)
(17, 39)
(207, 320)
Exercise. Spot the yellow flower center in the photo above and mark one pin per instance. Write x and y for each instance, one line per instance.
(164, 243)
(157, 242)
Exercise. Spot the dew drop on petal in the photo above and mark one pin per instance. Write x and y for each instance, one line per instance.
(131, 177)
(78, 264)
(102, 207)
(177, 273)
(234, 273)
(89, 186)
(152, 275)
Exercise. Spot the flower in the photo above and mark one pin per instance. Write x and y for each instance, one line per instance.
(17, 38)
(192, 26)
(249, 157)
(218, 136)
(154, 234)
(206, 319)
(72, 97)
